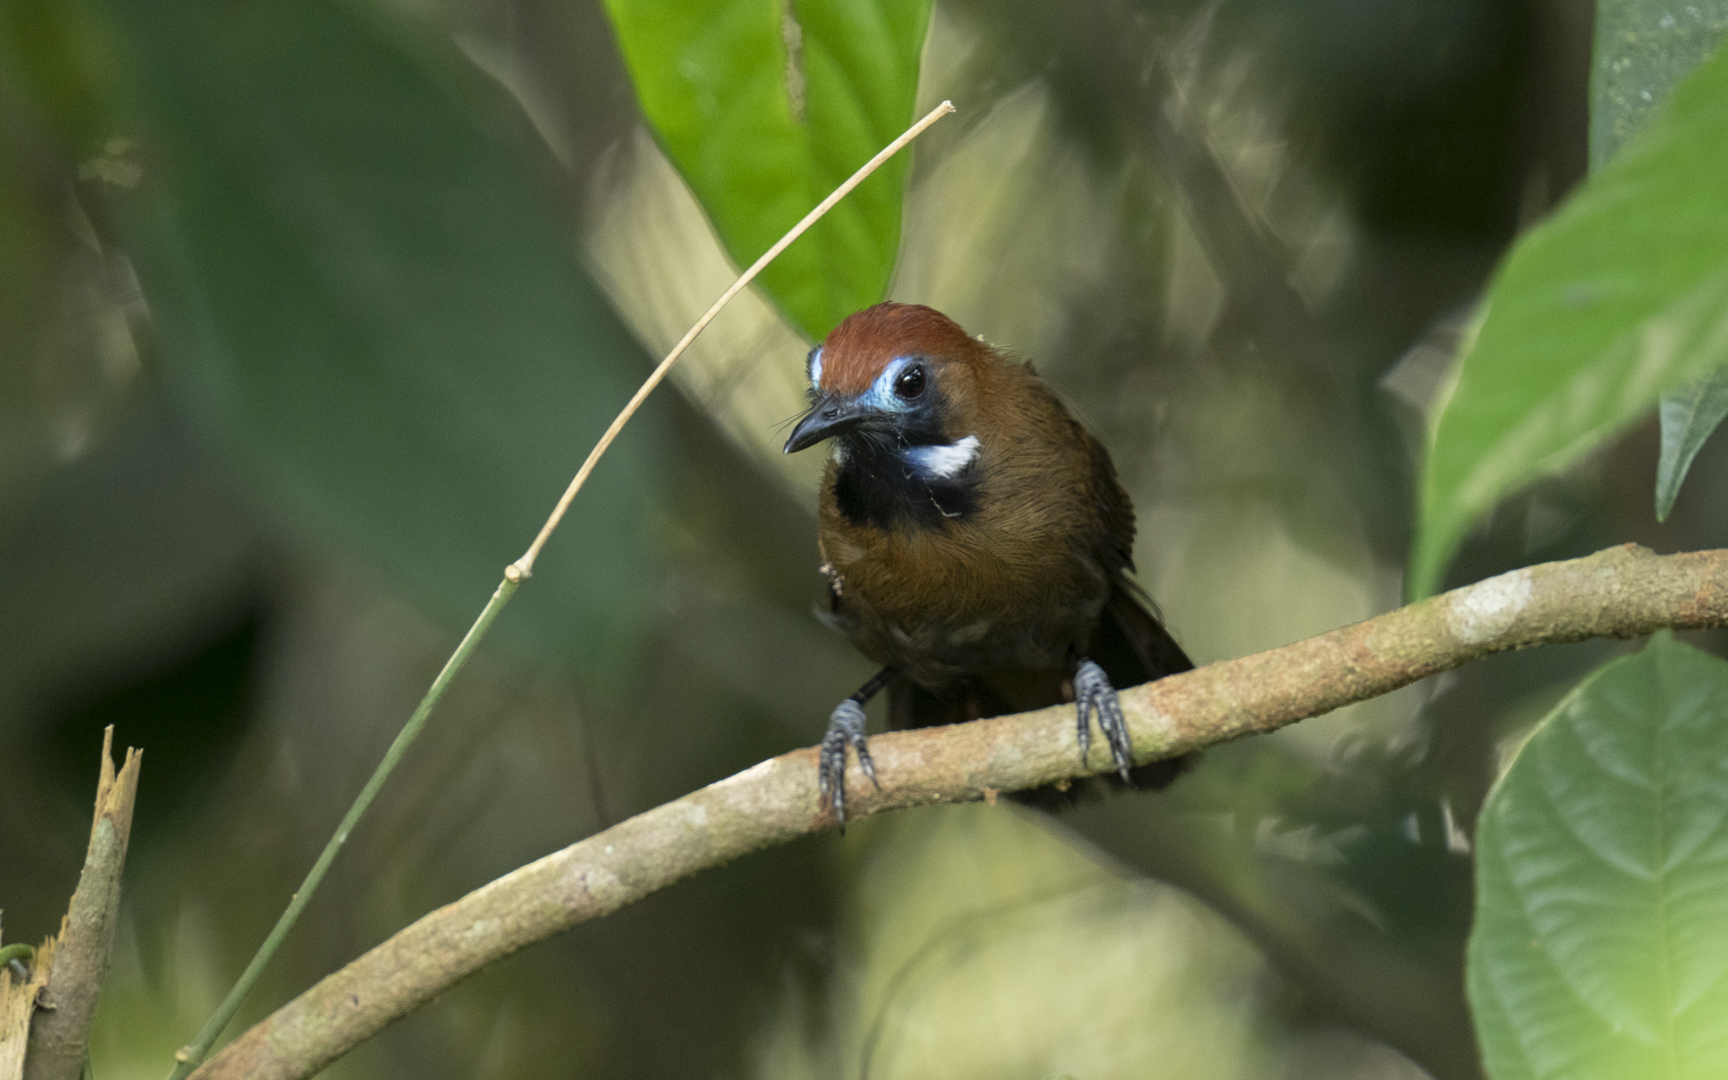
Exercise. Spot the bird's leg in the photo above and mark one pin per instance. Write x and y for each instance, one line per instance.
(846, 728)
(1093, 692)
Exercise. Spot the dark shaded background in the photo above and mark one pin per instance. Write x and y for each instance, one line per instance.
(307, 312)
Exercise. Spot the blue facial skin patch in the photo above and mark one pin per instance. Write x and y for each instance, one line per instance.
(931, 461)
(881, 394)
(816, 367)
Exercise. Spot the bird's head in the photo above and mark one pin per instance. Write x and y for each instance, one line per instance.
(896, 374)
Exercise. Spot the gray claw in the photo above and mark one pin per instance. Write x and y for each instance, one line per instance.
(845, 728)
(1093, 692)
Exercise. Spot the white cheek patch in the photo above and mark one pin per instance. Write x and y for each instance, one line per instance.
(943, 462)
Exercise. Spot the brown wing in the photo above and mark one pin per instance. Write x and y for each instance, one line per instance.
(1115, 543)
(1129, 642)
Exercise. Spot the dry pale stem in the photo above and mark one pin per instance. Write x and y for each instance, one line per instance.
(1623, 592)
(17, 1001)
(69, 969)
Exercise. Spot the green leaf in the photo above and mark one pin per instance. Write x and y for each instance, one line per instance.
(1689, 415)
(1642, 49)
(1600, 946)
(1618, 298)
(766, 106)
(359, 289)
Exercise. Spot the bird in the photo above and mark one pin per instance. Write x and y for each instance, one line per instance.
(975, 541)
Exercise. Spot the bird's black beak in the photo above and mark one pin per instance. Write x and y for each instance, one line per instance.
(830, 417)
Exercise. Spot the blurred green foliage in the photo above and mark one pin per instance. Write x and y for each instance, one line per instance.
(65, 348)
(1596, 313)
(766, 107)
(357, 281)
(299, 340)
(1602, 869)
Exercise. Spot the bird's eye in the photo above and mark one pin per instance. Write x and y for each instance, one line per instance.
(909, 383)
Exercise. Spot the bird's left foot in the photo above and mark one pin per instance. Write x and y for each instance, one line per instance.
(845, 728)
(1093, 693)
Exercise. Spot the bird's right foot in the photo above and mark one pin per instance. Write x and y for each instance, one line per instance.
(845, 728)
(1093, 693)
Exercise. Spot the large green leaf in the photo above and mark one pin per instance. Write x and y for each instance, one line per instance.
(1619, 297)
(358, 287)
(1643, 49)
(1600, 947)
(766, 106)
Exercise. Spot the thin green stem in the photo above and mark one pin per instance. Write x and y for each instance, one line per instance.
(189, 1057)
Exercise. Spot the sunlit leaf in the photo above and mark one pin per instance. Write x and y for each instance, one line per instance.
(766, 106)
(1600, 947)
(1618, 298)
(358, 287)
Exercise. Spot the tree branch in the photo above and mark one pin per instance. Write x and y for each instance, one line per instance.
(1623, 592)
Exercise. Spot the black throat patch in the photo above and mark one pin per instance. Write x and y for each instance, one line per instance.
(877, 486)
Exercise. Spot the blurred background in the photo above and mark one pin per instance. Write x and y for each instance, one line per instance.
(308, 312)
